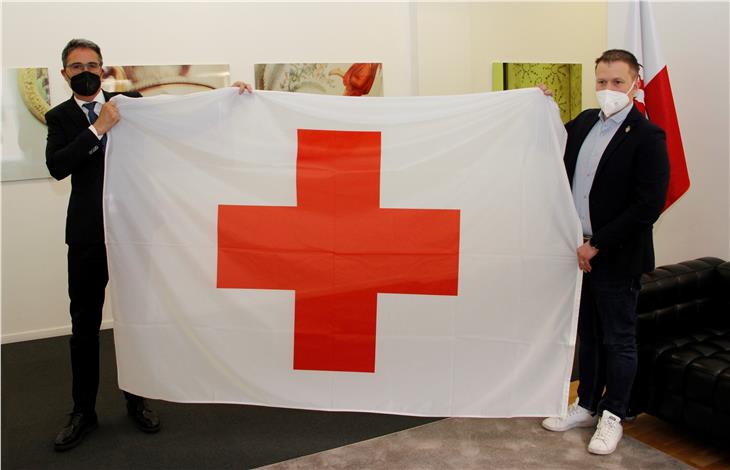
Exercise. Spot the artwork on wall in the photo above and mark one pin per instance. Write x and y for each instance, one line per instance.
(26, 99)
(152, 80)
(349, 79)
(563, 79)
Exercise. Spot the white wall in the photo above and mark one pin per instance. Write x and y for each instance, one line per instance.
(34, 281)
(457, 43)
(443, 48)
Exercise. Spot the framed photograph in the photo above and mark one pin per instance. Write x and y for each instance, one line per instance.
(26, 98)
(152, 80)
(350, 79)
(565, 81)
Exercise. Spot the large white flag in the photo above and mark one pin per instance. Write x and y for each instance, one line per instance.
(407, 255)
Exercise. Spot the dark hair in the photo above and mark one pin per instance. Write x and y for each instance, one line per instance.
(620, 55)
(77, 44)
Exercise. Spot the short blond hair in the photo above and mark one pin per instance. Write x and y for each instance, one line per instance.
(620, 55)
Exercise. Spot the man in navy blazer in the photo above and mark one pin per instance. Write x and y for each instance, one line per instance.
(618, 168)
(76, 145)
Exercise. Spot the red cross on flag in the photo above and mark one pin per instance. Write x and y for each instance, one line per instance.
(655, 98)
(399, 255)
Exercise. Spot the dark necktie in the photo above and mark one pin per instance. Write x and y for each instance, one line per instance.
(92, 119)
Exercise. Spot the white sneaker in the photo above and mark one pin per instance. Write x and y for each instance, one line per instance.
(577, 417)
(607, 435)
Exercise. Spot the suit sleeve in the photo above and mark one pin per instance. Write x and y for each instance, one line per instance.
(64, 155)
(648, 192)
(570, 124)
(586, 114)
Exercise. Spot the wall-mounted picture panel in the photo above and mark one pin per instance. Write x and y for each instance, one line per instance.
(152, 80)
(353, 79)
(563, 79)
(26, 99)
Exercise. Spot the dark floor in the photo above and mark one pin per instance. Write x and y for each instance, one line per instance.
(36, 394)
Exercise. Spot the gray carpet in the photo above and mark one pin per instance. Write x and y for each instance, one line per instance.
(35, 394)
(459, 443)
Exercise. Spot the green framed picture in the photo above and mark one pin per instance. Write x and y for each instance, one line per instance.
(564, 80)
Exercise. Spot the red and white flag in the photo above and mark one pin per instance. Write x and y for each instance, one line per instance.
(655, 96)
(407, 255)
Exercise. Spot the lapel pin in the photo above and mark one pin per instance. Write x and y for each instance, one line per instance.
(628, 128)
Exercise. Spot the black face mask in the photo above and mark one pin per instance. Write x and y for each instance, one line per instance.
(85, 83)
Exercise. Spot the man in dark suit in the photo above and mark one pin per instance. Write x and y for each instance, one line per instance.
(617, 164)
(76, 143)
(76, 146)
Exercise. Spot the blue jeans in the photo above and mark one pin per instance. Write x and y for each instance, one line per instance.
(607, 353)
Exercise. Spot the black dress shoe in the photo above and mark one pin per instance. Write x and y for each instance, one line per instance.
(145, 419)
(79, 425)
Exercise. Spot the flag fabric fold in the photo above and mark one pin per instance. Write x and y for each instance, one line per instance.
(410, 255)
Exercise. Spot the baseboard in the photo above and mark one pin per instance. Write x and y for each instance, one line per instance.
(47, 333)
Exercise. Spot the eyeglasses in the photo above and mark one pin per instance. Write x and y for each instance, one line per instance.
(79, 67)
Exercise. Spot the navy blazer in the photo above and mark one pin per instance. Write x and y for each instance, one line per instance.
(73, 149)
(628, 191)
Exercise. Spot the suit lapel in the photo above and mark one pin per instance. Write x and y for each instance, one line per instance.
(581, 132)
(621, 134)
(75, 115)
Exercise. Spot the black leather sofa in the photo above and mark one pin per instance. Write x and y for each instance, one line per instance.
(683, 336)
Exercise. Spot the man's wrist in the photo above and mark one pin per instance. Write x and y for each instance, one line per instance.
(96, 132)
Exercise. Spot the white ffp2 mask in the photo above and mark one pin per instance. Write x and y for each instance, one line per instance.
(613, 101)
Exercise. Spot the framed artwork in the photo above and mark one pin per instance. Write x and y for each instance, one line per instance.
(565, 81)
(152, 80)
(348, 79)
(26, 98)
